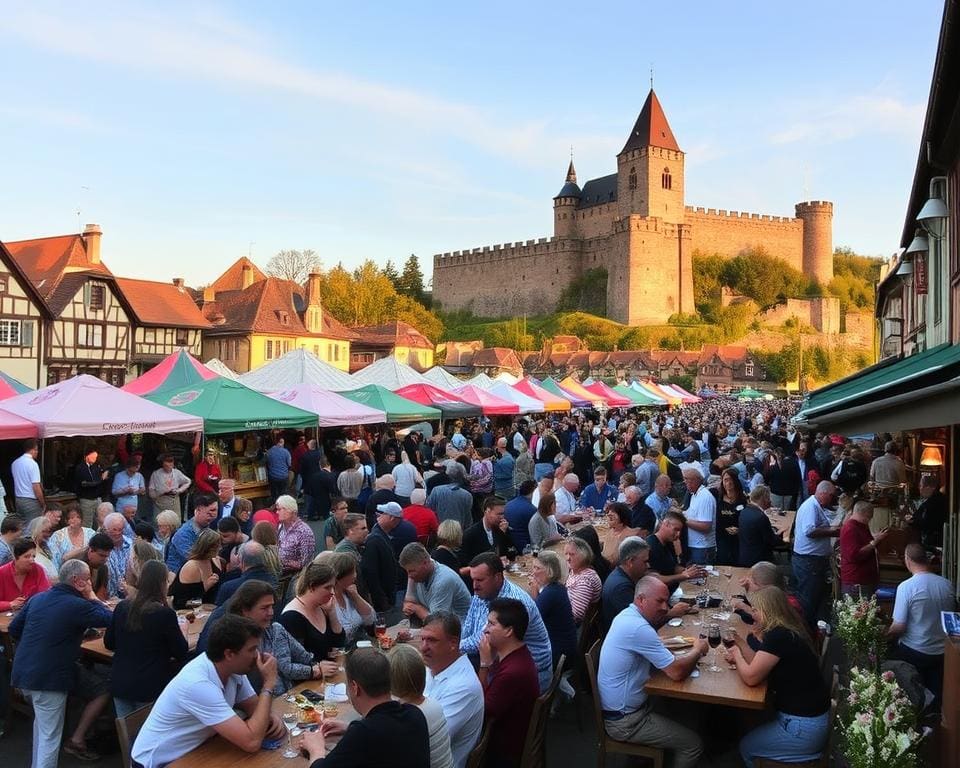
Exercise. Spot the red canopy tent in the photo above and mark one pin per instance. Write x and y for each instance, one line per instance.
(13, 427)
(489, 403)
(614, 399)
(450, 405)
(176, 370)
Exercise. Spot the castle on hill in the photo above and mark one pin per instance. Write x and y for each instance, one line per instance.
(635, 224)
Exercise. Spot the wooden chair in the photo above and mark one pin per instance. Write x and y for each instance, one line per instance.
(535, 747)
(835, 578)
(824, 760)
(589, 634)
(606, 743)
(127, 729)
(478, 755)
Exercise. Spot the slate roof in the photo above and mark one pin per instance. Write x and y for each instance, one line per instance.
(599, 191)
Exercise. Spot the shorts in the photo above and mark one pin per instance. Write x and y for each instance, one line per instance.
(92, 680)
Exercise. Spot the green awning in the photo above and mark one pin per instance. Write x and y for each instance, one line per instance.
(750, 394)
(640, 398)
(229, 406)
(922, 380)
(397, 408)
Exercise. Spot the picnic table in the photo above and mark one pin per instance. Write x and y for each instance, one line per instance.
(724, 688)
(782, 523)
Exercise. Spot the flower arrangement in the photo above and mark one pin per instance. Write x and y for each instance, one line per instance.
(861, 628)
(877, 723)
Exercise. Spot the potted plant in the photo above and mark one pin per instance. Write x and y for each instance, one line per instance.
(877, 723)
(862, 630)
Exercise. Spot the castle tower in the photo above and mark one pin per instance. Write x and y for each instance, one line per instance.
(817, 217)
(565, 206)
(650, 168)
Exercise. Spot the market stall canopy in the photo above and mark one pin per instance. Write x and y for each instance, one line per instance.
(614, 399)
(526, 403)
(229, 406)
(680, 392)
(551, 402)
(298, 366)
(749, 393)
(553, 387)
(489, 403)
(638, 397)
(333, 410)
(13, 427)
(179, 369)
(10, 387)
(651, 391)
(451, 406)
(706, 393)
(506, 378)
(221, 369)
(577, 389)
(441, 377)
(481, 380)
(396, 407)
(388, 372)
(87, 406)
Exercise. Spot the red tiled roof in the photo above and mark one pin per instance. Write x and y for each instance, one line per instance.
(396, 333)
(728, 353)
(502, 357)
(51, 264)
(232, 278)
(651, 128)
(162, 304)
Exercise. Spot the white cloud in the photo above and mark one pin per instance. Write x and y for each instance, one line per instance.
(870, 114)
(46, 116)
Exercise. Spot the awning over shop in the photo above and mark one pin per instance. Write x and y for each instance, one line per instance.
(397, 408)
(915, 392)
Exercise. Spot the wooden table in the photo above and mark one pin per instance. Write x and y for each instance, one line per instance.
(783, 523)
(724, 688)
(95, 650)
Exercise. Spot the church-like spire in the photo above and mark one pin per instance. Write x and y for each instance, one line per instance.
(571, 173)
(570, 188)
(651, 128)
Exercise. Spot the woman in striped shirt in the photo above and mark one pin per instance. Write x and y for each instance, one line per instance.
(583, 583)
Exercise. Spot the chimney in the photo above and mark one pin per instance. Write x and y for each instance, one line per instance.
(91, 240)
(313, 288)
(246, 276)
(178, 283)
(209, 294)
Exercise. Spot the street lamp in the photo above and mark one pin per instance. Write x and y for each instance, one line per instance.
(933, 217)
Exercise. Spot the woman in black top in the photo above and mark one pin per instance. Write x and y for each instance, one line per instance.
(730, 502)
(311, 617)
(782, 654)
(199, 577)
(146, 641)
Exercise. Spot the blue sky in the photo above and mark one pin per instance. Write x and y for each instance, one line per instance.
(189, 131)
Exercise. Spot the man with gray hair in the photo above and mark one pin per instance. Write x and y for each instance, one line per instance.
(49, 631)
(701, 518)
(114, 526)
(431, 586)
(253, 565)
(812, 549)
(641, 516)
(453, 501)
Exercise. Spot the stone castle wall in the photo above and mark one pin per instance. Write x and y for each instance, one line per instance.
(731, 232)
(821, 313)
(860, 326)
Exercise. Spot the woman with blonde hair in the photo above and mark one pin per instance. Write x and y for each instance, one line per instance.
(553, 603)
(143, 552)
(447, 551)
(408, 678)
(353, 611)
(167, 522)
(39, 532)
(199, 577)
(781, 653)
(543, 526)
(264, 533)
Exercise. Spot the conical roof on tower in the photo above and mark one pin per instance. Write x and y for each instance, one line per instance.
(570, 187)
(651, 128)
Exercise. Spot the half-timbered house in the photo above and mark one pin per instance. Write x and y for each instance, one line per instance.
(21, 324)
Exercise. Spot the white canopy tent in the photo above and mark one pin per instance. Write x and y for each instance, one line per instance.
(440, 377)
(480, 380)
(221, 369)
(527, 404)
(387, 372)
(298, 366)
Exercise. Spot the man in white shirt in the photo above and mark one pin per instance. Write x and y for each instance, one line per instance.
(701, 518)
(629, 650)
(812, 548)
(199, 702)
(452, 682)
(916, 618)
(27, 488)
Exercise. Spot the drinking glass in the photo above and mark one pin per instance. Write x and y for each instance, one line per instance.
(290, 722)
(726, 607)
(713, 638)
(380, 625)
(728, 637)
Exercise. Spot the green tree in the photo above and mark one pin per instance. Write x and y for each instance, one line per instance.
(390, 272)
(411, 279)
(707, 270)
(587, 293)
(763, 278)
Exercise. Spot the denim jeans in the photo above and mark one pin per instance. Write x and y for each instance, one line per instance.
(700, 556)
(49, 708)
(124, 707)
(810, 574)
(787, 738)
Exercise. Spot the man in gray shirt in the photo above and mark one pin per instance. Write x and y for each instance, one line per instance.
(431, 586)
(452, 501)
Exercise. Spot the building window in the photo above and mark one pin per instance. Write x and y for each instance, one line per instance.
(329, 352)
(748, 369)
(90, 336)
(10, 333)
(284, 318)
(286, 345)
(236, 349)
(316, 350)
(97, 298)
(269, 350)
(336, 353)
(183, 337)
(632, 179)
(666, 180)
(3, 283)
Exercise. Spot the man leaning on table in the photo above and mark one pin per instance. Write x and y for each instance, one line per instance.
(200, 701)
(629, 650)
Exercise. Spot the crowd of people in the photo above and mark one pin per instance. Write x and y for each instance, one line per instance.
(422, 529)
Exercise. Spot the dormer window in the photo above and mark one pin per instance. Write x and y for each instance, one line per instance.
(284, 317)
(748, 369)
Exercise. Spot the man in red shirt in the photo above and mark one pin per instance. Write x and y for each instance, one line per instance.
(423, 518)
(859, 567)
(509, 678)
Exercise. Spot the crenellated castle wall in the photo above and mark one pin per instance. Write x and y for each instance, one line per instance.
(730, 232)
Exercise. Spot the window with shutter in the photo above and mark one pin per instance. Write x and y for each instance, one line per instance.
(26, 333)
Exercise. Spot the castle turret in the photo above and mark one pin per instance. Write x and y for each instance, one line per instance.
(650, 167)
(817, 217)
(565, 206)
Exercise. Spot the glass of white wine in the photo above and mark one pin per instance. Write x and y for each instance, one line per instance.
(290, 722)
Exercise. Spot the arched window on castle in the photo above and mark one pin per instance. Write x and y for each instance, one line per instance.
(632, 179)
(666, 180)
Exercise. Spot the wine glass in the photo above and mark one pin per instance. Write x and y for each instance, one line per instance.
(726, 607)
(290, 722)
(380, 626)
(703, 599)
(728, 637)
(713, 638)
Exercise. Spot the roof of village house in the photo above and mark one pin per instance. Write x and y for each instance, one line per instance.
(57, 266)
(260, 307)
(728, 353)
(164, 304)
(232, 278)
(668, 356)
(17, 271)
(651, 128)
(502, 357)
(395, 333)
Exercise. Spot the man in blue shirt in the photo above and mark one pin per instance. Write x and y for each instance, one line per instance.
(598, 494)
(128, 486)
(628, 652)
(518, 512)
(278, 469)
(204, 513)
(659, 501)
(503, 465)
(648, 472)
(49, 630)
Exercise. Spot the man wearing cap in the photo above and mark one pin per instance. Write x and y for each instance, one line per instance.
(379, 560)
(701, 517)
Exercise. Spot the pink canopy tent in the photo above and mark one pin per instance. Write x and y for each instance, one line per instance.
(87, 406)
(334, 410)
(614, 399)
(672, 398)
(579, 391)
(178, 369)
(13, 427)
(680, 392)
(489, 403)
(551, 402)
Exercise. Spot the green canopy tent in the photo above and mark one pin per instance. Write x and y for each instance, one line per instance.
(228, 406)
(638, 397)
(397, 408)
(749, 394)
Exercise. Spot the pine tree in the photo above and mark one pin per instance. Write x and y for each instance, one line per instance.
(411, 280)
(390, 272)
